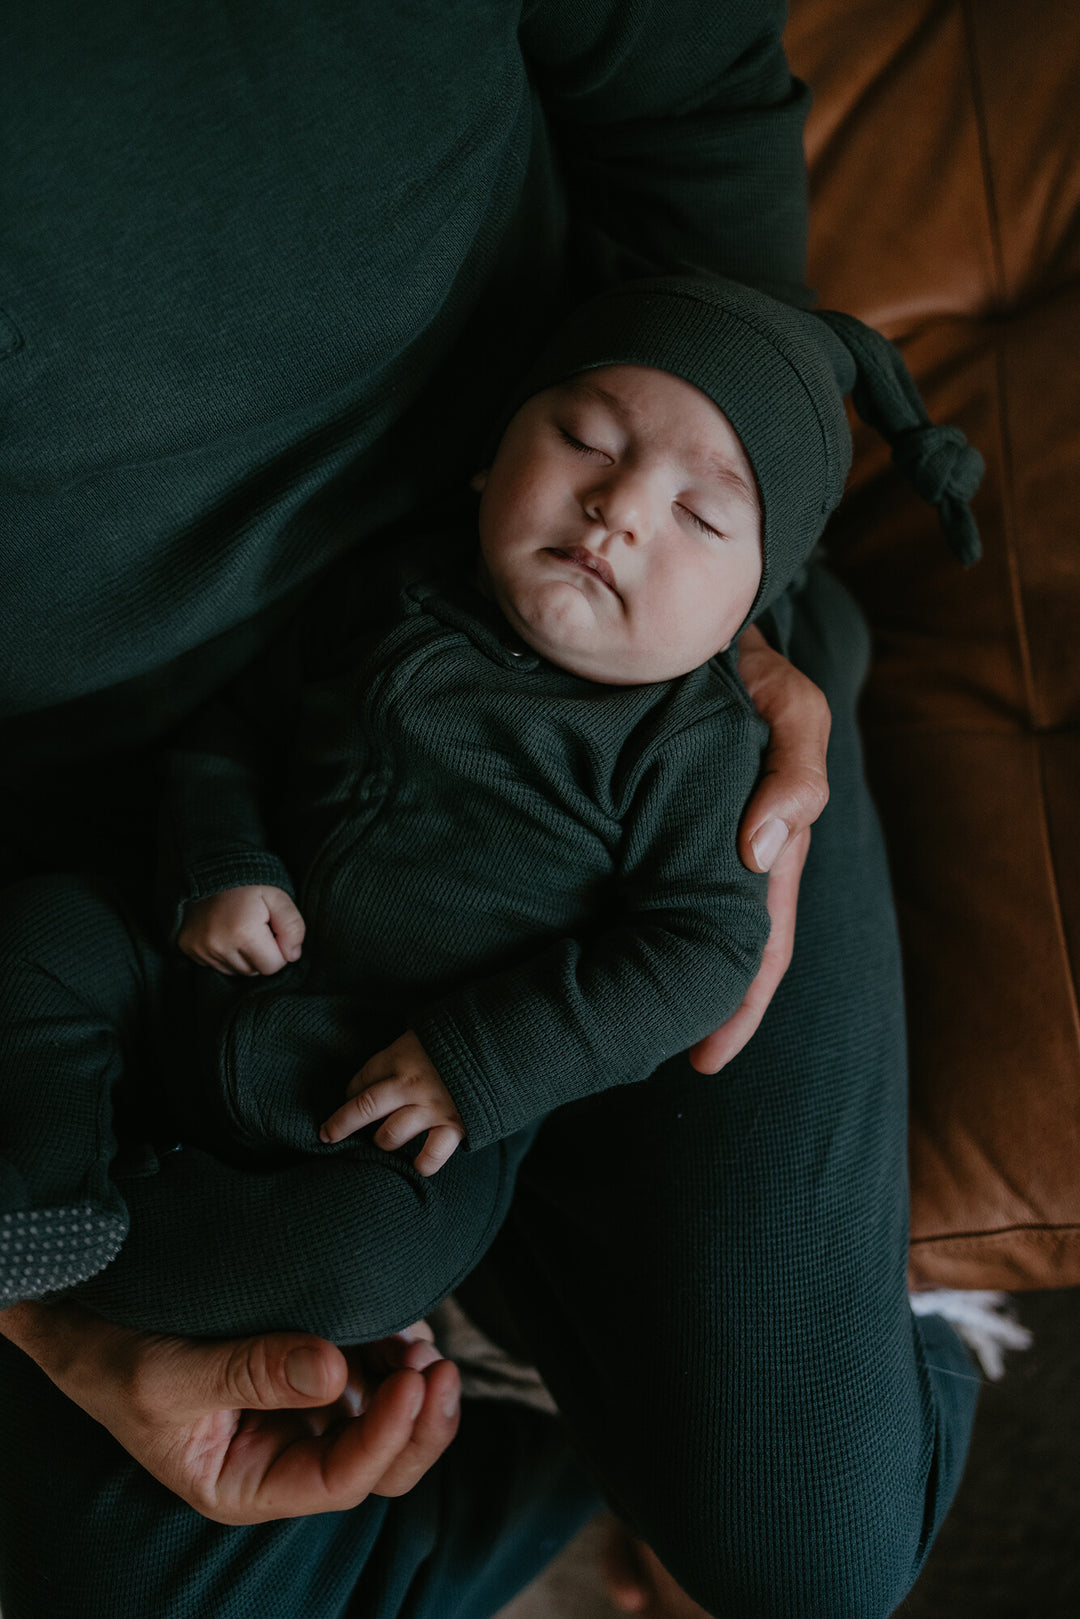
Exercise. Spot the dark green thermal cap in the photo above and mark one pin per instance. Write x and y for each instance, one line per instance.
(780, 375)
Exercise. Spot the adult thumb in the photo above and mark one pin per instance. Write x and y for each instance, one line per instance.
(274, 1371)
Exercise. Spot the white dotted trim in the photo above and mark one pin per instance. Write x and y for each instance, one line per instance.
(43, 1250)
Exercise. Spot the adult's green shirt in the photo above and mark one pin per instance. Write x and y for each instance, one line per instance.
(267, 269)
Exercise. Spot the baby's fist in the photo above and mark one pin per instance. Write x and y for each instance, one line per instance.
(250, 930)
(402, 1086)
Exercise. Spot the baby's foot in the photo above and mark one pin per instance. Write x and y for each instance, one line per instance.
(43, 1250)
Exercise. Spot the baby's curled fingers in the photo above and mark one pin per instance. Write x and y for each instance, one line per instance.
(243, 963)
(363, 1107)
(382, 1066)
(404, 1123)
(203, 958)
(407, 1122)
(441, 1143)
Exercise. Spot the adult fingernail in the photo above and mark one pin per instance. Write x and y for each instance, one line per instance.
(450, 1401)
(303, 1368)
(767, 843)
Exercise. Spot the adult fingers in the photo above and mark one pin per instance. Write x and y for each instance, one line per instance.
(419, 1329)
(274, 1469)
(708, 1056)
(367, 1448)
(433, 1430)
(414, 1348)
(409, 1422)
(793, 788)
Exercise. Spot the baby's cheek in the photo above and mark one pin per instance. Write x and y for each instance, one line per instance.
(666, 623)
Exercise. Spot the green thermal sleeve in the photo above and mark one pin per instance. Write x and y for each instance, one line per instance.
(672, 963)
(678, 130)
(216, 771)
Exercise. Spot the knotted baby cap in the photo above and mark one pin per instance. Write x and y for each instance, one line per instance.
(780, 375)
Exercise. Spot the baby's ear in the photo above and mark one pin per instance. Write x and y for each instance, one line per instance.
(478, 481)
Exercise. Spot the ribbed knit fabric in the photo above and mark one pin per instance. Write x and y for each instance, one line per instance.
(758, 1220)
(106, 1542)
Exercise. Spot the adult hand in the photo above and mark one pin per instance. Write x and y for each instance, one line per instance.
(775, 831)
(248, 1430)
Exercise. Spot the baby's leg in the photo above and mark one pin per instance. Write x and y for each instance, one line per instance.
(349, 1246)
(74, 981)
(348, 1242)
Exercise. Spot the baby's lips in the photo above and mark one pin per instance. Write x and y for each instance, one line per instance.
(589, 560)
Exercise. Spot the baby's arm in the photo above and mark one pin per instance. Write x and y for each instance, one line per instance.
(250, 930)
(585, 1013)
(674, 959)
(223, 769)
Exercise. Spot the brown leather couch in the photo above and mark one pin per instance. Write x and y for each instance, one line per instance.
(944, 149)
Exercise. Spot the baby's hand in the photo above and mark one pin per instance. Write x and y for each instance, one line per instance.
(401, 1086)
(249, 930)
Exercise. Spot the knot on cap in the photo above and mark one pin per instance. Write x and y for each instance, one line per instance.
(946, 471)
(939, 461)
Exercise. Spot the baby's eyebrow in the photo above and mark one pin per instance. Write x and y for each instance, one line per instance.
(595, 391)
(733, 480)
(715, 466)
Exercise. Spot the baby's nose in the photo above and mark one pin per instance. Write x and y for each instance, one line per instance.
(623, 507)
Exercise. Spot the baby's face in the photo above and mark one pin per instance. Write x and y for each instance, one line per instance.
(620, 526)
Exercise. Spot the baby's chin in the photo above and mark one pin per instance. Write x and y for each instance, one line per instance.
(595, 658)
(561, 624)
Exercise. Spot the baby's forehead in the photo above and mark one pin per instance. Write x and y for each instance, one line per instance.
(626, 386)
(697, 432)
